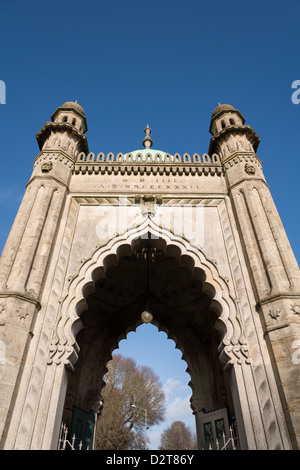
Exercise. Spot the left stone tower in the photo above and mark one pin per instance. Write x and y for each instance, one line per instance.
(28, 249)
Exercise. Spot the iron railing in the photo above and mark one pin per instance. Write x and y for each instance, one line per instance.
(65, 444)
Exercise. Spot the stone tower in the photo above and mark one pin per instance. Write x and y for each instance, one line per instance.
(224, 283)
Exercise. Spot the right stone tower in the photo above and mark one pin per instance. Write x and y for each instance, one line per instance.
(223, 283)
(272, 267)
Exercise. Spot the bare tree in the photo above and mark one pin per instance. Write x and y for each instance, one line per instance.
(131, 393)
(178, 437)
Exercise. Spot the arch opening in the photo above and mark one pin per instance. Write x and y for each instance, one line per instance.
(183, 304)
(149, 347)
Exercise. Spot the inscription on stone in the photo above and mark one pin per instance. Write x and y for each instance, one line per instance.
(162, 184)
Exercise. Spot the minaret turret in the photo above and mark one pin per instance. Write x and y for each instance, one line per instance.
(273, 269)
(223, 116)
(29, 247)
(230, 133)
(72, 113)
(66, 131)
(265, 241)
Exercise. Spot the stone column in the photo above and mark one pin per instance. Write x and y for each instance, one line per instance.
(272, 267)
(275, 279)
(28, 251)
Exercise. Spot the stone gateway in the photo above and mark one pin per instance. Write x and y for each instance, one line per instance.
(194, 239)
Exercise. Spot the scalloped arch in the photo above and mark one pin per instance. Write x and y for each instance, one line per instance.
(64, 348)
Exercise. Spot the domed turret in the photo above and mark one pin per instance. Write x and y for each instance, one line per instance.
(229, 132)
(73, 113)
(66, 131)
(221, 108)
(73, 105)
(225, 115)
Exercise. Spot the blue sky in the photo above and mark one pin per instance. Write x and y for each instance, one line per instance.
(167, 63)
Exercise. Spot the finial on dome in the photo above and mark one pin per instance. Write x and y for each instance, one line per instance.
(147, 142)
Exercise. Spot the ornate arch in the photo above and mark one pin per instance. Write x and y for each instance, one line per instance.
(64, 348)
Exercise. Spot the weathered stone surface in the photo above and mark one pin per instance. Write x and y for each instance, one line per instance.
(204, 230)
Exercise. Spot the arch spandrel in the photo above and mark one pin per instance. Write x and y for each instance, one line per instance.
(64, 347)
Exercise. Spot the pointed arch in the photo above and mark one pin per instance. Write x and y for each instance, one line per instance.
(64, 348)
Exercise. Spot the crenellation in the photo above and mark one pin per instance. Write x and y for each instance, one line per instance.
(153, 157)
(156, 163)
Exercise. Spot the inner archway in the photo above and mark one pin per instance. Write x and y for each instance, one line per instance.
(152, 348)
(183, 304)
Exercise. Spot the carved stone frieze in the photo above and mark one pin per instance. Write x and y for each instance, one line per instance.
(250, 160)
(46, 159)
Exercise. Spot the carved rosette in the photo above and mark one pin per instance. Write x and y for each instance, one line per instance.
(295, 307)
(274, 313)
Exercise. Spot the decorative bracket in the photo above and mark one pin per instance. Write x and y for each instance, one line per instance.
(148, 202)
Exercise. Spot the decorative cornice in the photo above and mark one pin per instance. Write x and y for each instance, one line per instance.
(240, 182)
(60, 155)
(251, 134)
(44, 177)
(238, 157)
(21, 296)
(274, 298)
(49, 127)
(147, 170)
(275, 327)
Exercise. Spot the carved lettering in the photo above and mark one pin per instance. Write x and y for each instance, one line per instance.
(157, 184)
